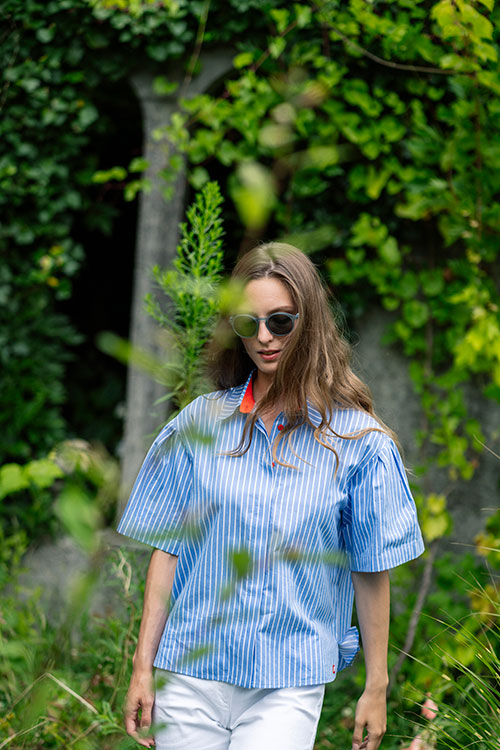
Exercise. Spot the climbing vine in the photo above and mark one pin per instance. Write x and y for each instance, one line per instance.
(58, 57)
(365, 132)
(368, 132)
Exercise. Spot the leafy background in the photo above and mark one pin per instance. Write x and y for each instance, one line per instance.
(366, 133)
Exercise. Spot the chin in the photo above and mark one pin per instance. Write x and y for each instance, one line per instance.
(267, 366)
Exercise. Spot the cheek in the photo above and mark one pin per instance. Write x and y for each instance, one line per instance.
(247, 347)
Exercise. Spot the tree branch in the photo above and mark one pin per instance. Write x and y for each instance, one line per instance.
(394, 65)
(200, 35)
(415, 615)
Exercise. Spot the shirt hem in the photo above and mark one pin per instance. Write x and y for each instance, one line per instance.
(204, 675)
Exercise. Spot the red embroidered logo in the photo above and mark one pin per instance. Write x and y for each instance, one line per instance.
(333, 668)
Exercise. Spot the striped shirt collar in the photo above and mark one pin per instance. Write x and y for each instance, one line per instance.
(241, 398)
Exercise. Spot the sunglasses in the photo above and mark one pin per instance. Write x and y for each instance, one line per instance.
(278, 323)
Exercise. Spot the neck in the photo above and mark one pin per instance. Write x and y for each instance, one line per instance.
(261, 384)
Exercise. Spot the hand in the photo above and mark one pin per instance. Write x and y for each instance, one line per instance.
(371, 712)
(140, 696)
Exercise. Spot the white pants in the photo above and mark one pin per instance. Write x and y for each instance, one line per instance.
(201, 714)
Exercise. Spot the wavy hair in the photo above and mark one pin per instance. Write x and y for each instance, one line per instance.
(315, 363)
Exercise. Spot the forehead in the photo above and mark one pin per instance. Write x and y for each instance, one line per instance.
(266, 294)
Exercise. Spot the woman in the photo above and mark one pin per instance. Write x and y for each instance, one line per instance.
(271, 503)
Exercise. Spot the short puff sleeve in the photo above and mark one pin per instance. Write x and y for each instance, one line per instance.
(156, 508)
(379, 523)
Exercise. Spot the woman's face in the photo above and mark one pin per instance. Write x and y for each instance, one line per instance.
(263, 297)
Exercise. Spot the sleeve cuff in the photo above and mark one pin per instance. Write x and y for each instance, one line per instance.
(389, 559)
(170, 544)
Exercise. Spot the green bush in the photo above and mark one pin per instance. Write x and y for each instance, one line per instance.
(51, 495)
(63, 684)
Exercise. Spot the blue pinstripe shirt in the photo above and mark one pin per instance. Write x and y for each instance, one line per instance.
(262, 594)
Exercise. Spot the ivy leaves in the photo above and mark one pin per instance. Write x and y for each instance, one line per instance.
(369, 133)
(396, 113)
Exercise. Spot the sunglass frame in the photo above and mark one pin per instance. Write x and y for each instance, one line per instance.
(292, 317)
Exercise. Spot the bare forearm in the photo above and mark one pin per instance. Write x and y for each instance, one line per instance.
(159, 581)
(372, 592)
(372, 606)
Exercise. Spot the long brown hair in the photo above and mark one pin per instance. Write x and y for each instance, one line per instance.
(315, 363)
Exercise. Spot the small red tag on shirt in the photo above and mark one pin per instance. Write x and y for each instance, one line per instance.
(333, 668)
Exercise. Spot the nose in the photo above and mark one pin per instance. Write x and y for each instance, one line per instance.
(264, 335)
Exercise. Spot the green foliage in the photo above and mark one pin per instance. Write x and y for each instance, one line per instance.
(59, 59)
(194, 295)
(435, 521)
(379, 121)
(42, 190)
(64, 680)
(52, 494)
(488, 541)
(67, 676)
(25, 507)
(34, 345)
(456, 652)
(308, 115)
(191, 285)
(466, 686)
(366, 130)
(41, 474)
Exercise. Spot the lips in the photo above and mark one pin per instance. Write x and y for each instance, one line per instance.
(269, 355)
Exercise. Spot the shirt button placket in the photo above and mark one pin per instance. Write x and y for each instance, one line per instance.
(280, 427)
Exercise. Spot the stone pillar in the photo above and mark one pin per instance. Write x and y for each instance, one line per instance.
(157, 237)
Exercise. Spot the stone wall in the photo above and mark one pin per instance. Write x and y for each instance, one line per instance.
(385, 370)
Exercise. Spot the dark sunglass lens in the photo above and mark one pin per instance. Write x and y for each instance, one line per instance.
(244, 325)
(280, 324)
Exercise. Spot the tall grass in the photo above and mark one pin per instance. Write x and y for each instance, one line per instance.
(466, 695)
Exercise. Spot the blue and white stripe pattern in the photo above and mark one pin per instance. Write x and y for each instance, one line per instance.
(262, 594)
